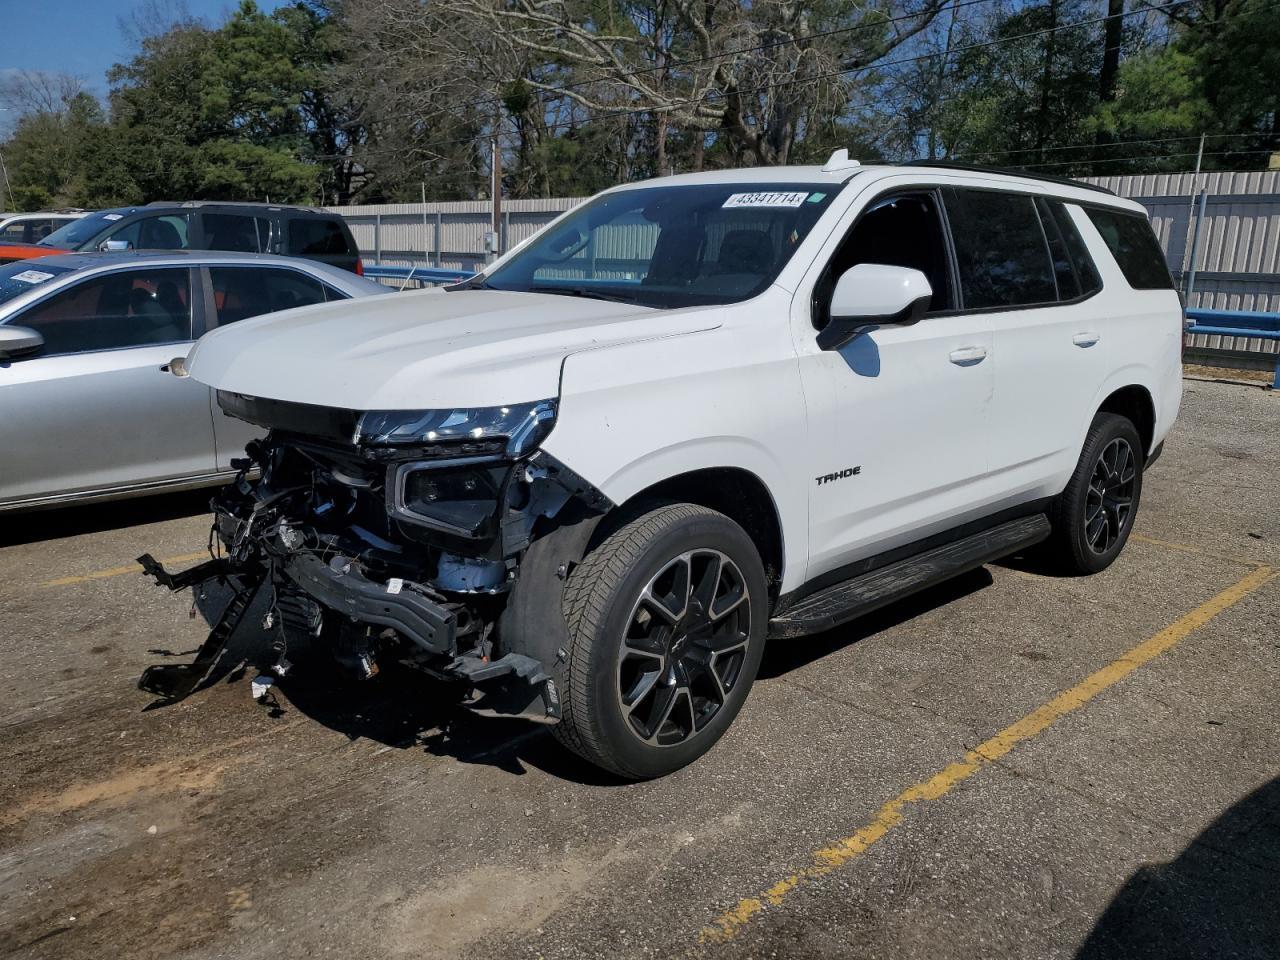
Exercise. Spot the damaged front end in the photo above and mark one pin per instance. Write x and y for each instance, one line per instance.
(419, 537)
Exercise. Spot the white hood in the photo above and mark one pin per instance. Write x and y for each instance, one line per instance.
(424, 350)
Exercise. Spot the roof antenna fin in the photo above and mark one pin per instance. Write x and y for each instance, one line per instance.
(839, 160)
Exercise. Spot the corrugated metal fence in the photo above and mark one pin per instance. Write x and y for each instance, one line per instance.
(1238, 262)
(449, 235)
(1237, 257)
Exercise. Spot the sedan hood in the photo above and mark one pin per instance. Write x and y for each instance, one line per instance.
(424, 350)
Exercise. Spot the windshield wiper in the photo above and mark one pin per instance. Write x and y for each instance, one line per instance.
(582, 292)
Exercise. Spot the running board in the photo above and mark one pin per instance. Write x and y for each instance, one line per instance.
(848, 599)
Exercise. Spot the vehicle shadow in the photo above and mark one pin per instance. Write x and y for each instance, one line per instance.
(406, 710)
(783, 656)
(399, 708)
(1219, 898)
(55, 524)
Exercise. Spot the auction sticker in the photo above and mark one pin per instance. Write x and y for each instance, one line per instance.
(765, 200)
(32, 276)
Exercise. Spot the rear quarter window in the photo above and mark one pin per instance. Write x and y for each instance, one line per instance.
(1132, 242)
(308, 237)
(1001, 252)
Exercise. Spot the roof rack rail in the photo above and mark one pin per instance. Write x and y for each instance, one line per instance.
(192, 204)
(1009, 172)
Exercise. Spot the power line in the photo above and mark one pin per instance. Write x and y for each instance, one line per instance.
(1156, 156)
(1107, 144)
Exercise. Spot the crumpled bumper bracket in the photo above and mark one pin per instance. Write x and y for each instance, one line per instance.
(175, 681)
(339, 586)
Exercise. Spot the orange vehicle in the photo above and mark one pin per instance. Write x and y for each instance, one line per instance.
(10, 252)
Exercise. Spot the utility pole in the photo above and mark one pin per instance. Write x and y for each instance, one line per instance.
(426, 255)
(7, 186)
(1193, 222)
(495, 191)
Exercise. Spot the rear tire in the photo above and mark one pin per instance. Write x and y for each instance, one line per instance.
(666, 621)
(1093, 516)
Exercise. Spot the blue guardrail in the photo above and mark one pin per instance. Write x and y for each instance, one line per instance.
(421, 275)
(1237, 323)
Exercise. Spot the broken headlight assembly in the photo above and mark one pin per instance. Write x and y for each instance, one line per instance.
(512, 431)
(458, 487)
(460, 500)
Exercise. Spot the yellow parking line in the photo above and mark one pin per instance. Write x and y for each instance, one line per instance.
(892, 814)
(121, 571)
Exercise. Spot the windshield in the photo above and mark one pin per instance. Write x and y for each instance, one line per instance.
(17, 278)
(73, 234)
(670, 246)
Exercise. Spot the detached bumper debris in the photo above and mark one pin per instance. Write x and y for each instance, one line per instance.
(374, 585)
(174, 681)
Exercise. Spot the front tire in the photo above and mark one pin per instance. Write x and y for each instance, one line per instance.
(1093, 516)
(666, 620)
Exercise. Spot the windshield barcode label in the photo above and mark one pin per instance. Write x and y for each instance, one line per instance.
(765, 200)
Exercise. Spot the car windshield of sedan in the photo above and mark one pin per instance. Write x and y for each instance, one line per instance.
(71, 235)
(669, 246)
(25, 275)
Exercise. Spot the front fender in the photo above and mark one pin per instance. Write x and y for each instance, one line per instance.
(638, 414)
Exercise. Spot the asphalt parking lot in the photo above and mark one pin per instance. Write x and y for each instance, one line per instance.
(1014, 765)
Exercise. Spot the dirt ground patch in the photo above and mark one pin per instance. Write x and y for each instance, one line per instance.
(378, 820)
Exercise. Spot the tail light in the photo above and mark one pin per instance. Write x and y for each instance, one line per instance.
(359, 267)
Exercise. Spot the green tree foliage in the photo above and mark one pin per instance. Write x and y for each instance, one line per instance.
(45, 155)
(372, 100)
(241, 112)
(216, 114)
(1029, 93)
(1219, 75)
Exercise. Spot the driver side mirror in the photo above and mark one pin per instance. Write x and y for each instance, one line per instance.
(16, 341)
(874, 295)
(115, 246)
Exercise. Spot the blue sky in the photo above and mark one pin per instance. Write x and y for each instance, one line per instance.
(84, 37)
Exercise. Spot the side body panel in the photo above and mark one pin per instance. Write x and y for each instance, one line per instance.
(1146, 328)
(1055, 366)
(100, 419)
(906, 406)
(637, 414)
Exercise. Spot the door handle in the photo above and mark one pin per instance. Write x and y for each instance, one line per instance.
(1085, 339)
(968, 356)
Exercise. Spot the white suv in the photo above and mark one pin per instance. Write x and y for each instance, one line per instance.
(689, 416)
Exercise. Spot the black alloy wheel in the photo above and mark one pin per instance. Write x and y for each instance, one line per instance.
(1109, 500)
(666, 620)
(683, 648)
(1093, 517)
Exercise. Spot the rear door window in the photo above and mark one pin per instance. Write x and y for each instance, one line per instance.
(1001, 251)
(167, 232)
(317, 237)
(1133, 243)
(131, 308)
(240, 292)
(1073, 268)
(237, 232)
